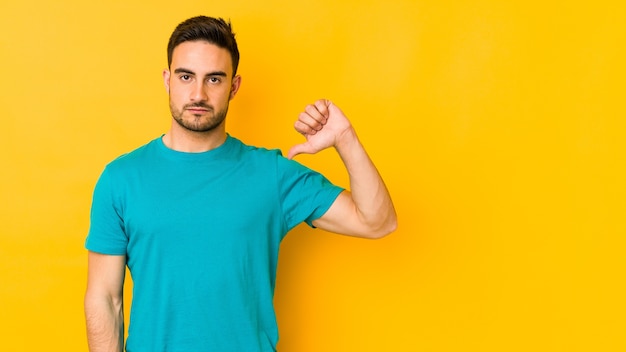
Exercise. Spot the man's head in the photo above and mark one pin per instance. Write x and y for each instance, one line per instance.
(200, 78)
(202, 28)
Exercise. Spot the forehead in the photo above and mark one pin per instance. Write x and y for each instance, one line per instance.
(201, 56)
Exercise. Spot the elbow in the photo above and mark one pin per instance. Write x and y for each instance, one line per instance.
(95, 303)
(392, 226)
(383, 230)
(386, 225)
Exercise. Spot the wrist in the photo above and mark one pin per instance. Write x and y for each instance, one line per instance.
(346, 140)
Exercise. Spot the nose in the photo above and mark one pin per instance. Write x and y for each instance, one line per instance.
(199, 93)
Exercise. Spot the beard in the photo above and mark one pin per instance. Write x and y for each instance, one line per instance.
(199, 122)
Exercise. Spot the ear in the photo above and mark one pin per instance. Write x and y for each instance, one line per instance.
(166, 80)
(234, 88)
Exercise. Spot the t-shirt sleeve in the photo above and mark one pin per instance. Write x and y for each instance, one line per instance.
(106, 229)
(305, 194)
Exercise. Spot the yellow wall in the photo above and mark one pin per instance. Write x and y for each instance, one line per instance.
(497, 125)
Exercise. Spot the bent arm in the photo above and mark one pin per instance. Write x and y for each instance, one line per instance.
(104, 312)
(366, 210)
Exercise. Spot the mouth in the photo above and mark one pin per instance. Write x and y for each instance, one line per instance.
(198, 109)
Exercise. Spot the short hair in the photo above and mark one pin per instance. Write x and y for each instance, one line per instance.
(213, 30)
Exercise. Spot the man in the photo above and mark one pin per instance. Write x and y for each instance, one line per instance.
(197, 216)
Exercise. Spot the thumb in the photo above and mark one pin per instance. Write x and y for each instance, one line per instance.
(298, 149)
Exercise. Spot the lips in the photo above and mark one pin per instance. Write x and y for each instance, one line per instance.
(198, 109)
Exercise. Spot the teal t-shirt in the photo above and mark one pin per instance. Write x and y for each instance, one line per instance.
(201, 233)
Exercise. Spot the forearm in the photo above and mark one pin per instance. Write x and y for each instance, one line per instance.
(371, 198)
(105, 324)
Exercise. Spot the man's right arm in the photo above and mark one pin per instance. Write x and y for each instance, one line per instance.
(104, 309)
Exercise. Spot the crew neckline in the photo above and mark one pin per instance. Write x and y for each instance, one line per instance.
(212, 154)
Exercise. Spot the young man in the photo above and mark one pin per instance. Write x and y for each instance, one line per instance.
(198, 217)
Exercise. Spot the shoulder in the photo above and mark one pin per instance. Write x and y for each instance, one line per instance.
(254, 152)
(132, 159)
(261, 160)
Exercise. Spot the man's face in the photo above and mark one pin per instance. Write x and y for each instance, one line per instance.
(200, 84)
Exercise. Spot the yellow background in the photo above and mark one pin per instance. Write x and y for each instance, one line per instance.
(498, 127)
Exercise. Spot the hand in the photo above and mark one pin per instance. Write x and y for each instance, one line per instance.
(322, 124)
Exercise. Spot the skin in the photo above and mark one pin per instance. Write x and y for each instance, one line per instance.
(200, 83)
(367, 210)
(104, 311)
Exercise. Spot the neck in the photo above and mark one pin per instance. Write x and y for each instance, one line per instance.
(183, 140)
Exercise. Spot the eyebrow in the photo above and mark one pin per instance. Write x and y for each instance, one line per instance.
(210, 74)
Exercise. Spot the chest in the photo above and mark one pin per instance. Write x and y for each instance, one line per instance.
(202, 208)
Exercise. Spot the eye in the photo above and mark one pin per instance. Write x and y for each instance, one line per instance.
(214, 80)
(185, 78)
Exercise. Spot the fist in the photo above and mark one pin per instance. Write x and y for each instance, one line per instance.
(322, 124)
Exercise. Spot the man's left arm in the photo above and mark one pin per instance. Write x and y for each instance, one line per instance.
(364, 211)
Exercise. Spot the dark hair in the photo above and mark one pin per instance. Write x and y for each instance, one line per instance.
(213, 30)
